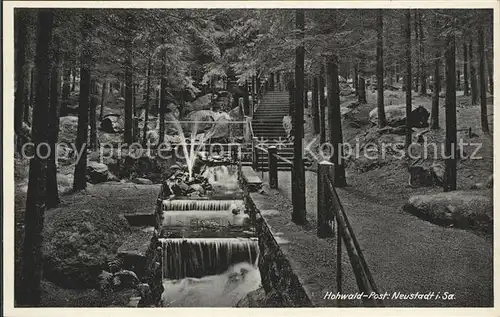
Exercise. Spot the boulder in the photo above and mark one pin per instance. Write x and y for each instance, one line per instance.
(112, 123)
(202, 103)
(125, 279)
(142, 181)
(78, 243)
(220, 129)
(152, 137)
(396, 116)
(197, 188)
(200, 117)
(463, 209)
(105, 280)
(236, 114)
(68, 126)
(487, 184)
(426, 175)
(97, 172)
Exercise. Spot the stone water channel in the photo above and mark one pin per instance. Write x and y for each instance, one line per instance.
(204, 250)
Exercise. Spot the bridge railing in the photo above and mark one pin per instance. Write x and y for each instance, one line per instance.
(332, 221)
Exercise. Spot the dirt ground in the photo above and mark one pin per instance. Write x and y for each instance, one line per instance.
(404, 253)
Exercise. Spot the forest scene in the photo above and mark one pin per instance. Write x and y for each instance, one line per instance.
(155, 148)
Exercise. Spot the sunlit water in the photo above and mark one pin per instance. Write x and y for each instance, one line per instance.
(224, 179)
(191, 153)
(223, 290)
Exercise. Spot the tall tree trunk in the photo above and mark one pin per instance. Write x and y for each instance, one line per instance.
(306, 100)
(490, 74)
(322, 105)
(148, 95)
(157, 103)
(128, 137)
(30, 105)
(335, 121)
(92, 116)
(417, 73)
(80, 179)
(466, 71)
(298, 174)
(31, 270)
(437, 88)
(246, 98)
(450, 175)
(163, 96)
(254, 98)
(53, 129)
(482, 81)
(135, 127)
(315, 103)
(355, 79)
(362, 90)
(66, 85)
(103, 99)
(380, 70)
(423, 75)
(20, 71)
(408, 79)
(73, 82)
(473, 76)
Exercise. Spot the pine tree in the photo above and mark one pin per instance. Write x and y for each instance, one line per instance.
(20, 64)
(298, 175)
(450, 175)
(322, 105)
(466, 71)
(437, 81)
(335, 121)
(315, 103)
(473, 76)
(53, 128)
(482, 80)
(380, 70)
(408, 77)
(31, 271)
(80, 179)
(128, 137)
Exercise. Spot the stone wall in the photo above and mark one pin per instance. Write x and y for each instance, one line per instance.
(281, 284)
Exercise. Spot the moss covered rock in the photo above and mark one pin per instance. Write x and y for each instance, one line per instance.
(79, 243)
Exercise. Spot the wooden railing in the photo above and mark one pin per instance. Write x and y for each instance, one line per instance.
(332, 221)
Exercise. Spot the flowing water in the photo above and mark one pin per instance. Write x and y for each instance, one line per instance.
(208, 272)
(224, 179)
(222, 290)
(205, 256)
(191, 205)
(191, 154)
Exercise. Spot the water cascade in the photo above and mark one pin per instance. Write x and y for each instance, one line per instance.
(208, 205)
(223, 290)
(208, 256)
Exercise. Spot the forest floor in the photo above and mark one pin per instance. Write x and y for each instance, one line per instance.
(109, 200)
(405, 254)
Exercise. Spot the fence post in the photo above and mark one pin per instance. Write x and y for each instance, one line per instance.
(273, 167)
(325, 170)
(254, 154)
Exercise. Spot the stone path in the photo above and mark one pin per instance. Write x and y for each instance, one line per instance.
(406, 254)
